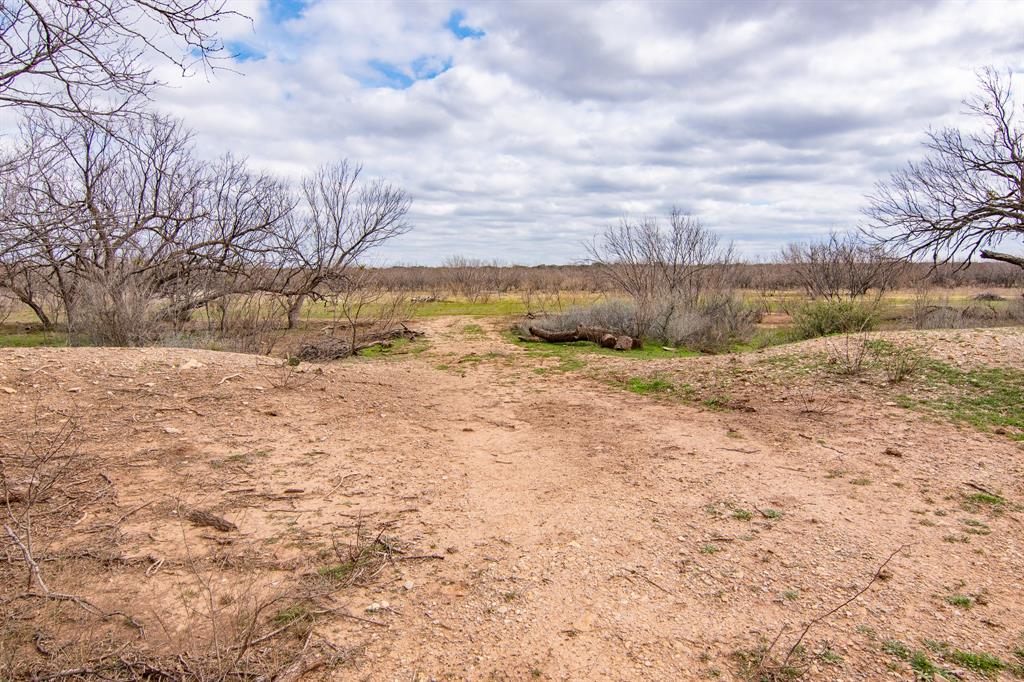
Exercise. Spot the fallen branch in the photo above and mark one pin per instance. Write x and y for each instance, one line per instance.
(199, 517)
(878, 574)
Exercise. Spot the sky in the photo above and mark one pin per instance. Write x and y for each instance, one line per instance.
(522, 129)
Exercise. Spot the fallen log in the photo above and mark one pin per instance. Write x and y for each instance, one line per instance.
(605, 338)
(333, 347)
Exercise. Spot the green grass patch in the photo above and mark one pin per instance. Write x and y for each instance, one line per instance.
(983, 663)
(395, 348)
(984, 499)
(292, 614)
(896, 648)
(32, 339)
(339, 572)
(990, 399)
(647, 386)
(925, 670)
(961, 601)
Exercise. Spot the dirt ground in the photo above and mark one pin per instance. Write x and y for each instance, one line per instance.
(556, 526)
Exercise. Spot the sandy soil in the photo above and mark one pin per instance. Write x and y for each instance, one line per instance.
(584, 532)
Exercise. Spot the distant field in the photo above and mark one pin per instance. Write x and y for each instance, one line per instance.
(21, 327)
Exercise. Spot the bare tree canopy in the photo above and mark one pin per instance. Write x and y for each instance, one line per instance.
(90, 57)
(126, 237)
(967, 195)
(842, 266)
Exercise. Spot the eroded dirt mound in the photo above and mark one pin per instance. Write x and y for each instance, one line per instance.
(433, 516)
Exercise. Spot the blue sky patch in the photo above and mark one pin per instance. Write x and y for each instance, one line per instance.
(242, 52)
(387, 75)
(430, 66)
(459, 29)
(283, 10)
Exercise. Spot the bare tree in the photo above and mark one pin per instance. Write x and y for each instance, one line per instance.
(130, 235)
(339, 218)
(839, 267)
(967, 195)
(660, 268)
(91, 57)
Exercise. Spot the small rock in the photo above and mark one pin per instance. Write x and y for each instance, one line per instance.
(171, 430)
(75, 389)
(408, 584)
(8, 390)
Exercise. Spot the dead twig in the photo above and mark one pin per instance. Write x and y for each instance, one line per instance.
(877, 575)
(648, 580)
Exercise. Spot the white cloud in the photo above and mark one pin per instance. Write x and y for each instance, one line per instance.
(770, 121)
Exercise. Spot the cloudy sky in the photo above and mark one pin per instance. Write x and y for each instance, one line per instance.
(522, 128)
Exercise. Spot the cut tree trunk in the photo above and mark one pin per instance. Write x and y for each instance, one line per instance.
(602, 337)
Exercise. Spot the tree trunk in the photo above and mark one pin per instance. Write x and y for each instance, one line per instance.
(1005, 257)
(40, 313)
(603, 337)
(295, 311)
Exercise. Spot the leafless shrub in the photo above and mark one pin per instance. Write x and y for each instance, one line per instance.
(615, 315)
(1016, 309)
(929, 310)
(364, 310)
(245, 322)
(290, 374)
(7, 301)
(812, 401)
(900, 362)
(661, 268)
(848, 353)
(709, 324)
(114, 314)
(842, 267)
(540, 303)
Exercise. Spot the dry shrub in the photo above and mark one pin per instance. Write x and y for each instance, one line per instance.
(114, 313)
(7, 302)
(710, 324)
(617, 316)
(849, 353)
(1016, 309)
(901, 363)
(246, 323)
